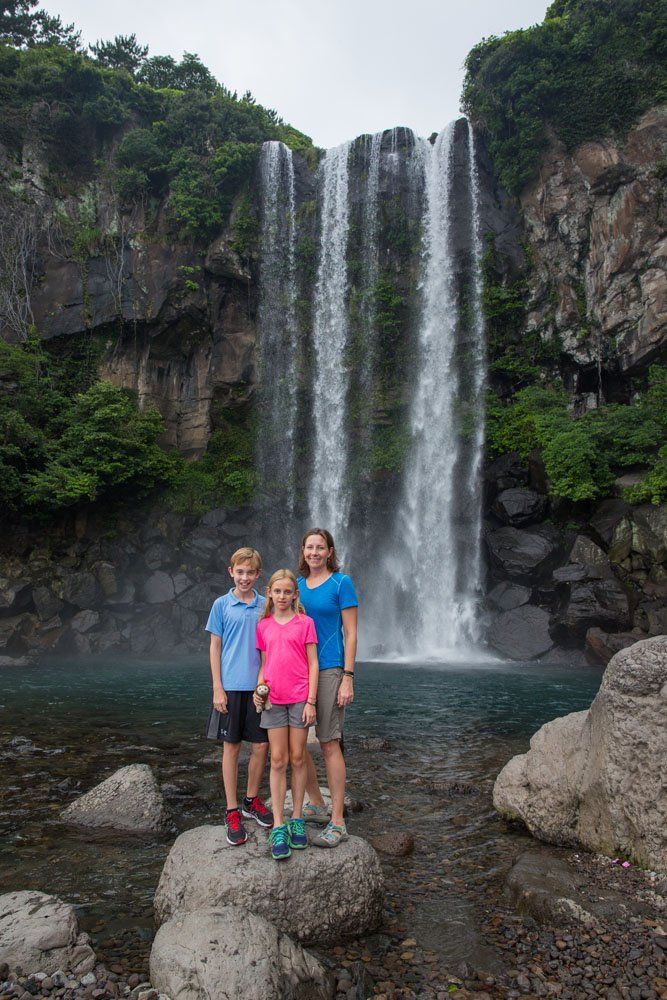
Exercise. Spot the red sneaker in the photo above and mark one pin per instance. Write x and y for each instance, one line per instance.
(255, 809)
(236, 832)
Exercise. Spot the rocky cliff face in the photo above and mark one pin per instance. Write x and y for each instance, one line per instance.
(595, 222)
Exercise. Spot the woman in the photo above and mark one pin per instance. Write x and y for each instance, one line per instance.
(330, 600)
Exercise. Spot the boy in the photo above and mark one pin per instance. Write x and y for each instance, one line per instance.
(235, 663)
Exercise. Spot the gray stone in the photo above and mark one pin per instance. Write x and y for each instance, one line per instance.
(40, 933)
(506, 596)
(235, 531)
(181, 583)
(320, 896)
(197, 598)
(606, 518)
(123, 596)
(158, 588)
(601, 646)
(201, 547)
(84, 621)
(228, 952)
(522, 633)
(160, 554)
(397, 845)
(596, 778)
(551, 891)
(521, 555)
(519, 506)
(585, 552)
(214, 518)
(106, 577)
(152, 633)
(593, 604)
(128, 800)
(81, 590)
(46, 603)
(15, 596)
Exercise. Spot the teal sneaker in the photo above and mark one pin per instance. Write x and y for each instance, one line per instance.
(296, 831)
(279, 842)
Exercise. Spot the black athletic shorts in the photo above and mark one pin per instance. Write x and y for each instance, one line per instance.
(239, 722)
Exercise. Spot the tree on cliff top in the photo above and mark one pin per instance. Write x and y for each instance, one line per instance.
(22, 25)
(123, 52)
(588, 71)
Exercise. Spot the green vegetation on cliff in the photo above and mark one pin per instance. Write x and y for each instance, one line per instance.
(588, 71)
(582, 456)
(67, 438)
(183, 136)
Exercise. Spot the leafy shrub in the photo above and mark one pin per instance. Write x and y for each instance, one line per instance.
(581, 455)
(224, 475)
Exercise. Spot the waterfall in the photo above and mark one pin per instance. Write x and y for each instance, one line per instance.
(431, 568)
(329, 496)
(476, 356)
(371, 259)
(278, 333)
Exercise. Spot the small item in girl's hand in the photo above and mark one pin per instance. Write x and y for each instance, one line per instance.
(262, 690)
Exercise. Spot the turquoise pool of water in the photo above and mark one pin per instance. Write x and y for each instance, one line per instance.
(77, 721)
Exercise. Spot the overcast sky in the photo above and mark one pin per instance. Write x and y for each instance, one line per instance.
(333, 69)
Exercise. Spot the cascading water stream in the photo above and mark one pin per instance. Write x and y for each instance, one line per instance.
(329, 496)
(278, 340)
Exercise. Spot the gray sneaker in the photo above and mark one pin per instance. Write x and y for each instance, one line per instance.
(316, 814)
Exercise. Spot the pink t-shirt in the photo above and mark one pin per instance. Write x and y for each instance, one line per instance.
(286, 667)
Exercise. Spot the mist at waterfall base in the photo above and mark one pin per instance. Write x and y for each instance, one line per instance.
(371, 354)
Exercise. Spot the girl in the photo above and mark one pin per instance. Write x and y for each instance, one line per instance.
(330, 599)
(287, 641)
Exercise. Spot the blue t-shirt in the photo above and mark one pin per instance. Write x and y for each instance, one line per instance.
(236, 624)
(324, 605)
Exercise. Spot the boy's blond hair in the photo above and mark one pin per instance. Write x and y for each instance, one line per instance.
(246, 554)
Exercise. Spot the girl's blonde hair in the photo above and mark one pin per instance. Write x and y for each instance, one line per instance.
(283, 574)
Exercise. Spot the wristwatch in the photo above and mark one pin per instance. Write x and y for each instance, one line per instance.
(348, 673)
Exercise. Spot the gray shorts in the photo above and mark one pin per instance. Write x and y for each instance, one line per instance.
(281, 716)
(329, 715)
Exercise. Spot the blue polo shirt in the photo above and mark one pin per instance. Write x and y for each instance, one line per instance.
(236, 624)
(324, 605)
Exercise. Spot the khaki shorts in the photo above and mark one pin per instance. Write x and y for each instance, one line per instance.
(329, 715)
(283, 716)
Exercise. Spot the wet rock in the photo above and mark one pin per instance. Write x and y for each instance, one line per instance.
(46, 603)
(595, 603)
(505, 473)
(375, 743)
(106, 577)
(128, 800)
(585, 552)
(506, 596)
(84, 621)
(160, 554)
(194, 954)
(519, 506)
(594, 778)
(158, 588)
(522, 633)
(201, 547)
(607, 516)
(319, 896)
(40, 932)
(124, 595)
(397, 845)
(198, 598)
(214, 518)
(601, 646)
(81, 590)
(519, 554)
(15, 596)
(152, 633)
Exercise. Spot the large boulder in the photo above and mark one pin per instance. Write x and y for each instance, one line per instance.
(519, 506)
(318, 896)
(39, 933)
(521, 633)
(596, 778)
(227, 951)
(505, 596)
(520, 555)
(591, 604)
(129, 800)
